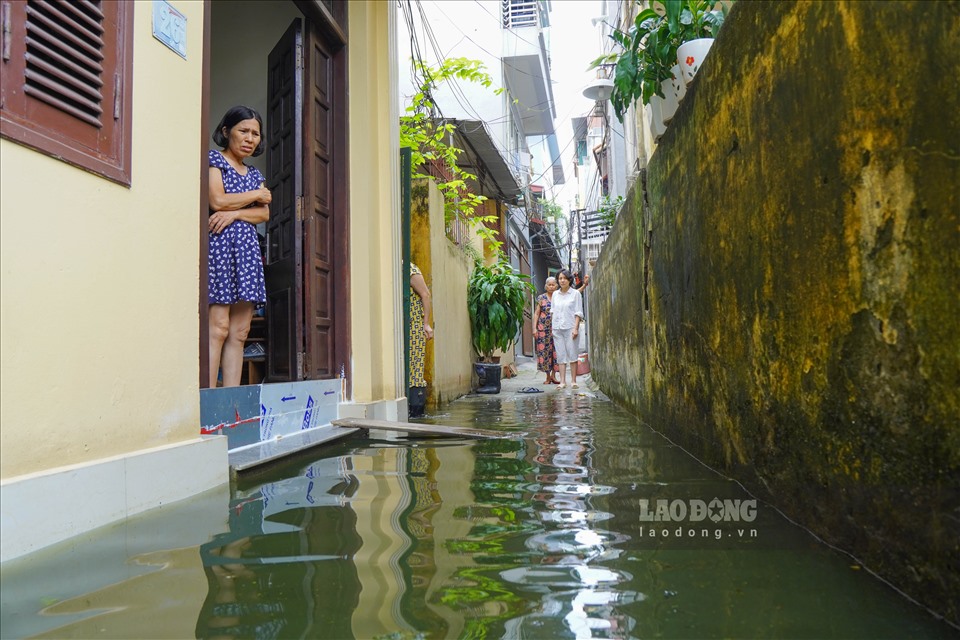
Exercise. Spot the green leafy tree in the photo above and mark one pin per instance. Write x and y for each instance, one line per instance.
(431, 141)
(560, 223)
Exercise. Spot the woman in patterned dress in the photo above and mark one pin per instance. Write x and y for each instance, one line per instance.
(421, 309)
(543, 332)
(239, 200)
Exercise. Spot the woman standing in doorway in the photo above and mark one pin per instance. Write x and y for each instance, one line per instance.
(543, 332)
(567, 316)
(239, 200)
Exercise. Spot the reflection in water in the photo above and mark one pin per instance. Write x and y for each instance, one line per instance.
(533, 537)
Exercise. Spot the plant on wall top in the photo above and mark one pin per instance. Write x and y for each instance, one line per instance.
(692, 19)
(609, 209)
(430, 140)
(648, 49)
(634, 71)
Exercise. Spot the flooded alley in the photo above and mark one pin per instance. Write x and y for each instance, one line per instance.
(586, 524)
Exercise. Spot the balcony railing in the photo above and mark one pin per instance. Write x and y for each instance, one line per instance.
(518, 14)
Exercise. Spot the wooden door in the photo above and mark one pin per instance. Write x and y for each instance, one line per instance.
(283, 269)
(322, 274)
(526, 342)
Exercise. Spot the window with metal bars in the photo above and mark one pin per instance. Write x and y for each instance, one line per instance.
(66, 79)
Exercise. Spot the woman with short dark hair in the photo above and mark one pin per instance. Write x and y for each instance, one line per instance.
(567, 308)
(239, 200)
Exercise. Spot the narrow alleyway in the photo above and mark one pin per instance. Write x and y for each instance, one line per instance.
(557, 533)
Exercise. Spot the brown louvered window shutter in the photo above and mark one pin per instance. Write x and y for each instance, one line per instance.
(66, 81)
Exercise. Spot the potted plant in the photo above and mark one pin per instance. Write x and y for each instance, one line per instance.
(693, 25)
(638, 73)
(496, 297)
(649, 66)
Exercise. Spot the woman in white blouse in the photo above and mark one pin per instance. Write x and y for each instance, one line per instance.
(567, 304)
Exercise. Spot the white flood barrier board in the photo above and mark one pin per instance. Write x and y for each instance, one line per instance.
(269, 421)
(290, 407)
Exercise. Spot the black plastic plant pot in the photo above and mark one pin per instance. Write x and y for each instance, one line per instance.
(488, 374)
(416, 401)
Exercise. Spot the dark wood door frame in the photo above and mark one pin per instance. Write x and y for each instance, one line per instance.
(284, 266)
(322, 25)
(204, 213)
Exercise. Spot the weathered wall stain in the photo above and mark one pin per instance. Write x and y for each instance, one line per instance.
(782, 290)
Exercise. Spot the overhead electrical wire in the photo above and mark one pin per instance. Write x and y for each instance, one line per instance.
(456, 90)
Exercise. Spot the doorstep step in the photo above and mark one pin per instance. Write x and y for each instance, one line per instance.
(259, 454)
(426, 429)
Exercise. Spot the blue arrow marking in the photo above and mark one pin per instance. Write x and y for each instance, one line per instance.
(285, 398)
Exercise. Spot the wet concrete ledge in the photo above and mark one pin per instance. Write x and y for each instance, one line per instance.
(782, 290)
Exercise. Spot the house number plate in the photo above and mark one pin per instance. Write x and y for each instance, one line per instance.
(170, 27)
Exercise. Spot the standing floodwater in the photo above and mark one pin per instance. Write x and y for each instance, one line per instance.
(589, 525)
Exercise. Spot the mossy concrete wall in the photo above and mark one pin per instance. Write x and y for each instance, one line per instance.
(781, 292)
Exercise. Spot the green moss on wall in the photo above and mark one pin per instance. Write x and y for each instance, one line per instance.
(783, 293)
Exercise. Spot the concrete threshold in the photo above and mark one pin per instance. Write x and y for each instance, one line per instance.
(261, 453)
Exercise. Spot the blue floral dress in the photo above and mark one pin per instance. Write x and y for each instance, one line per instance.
(235, 266)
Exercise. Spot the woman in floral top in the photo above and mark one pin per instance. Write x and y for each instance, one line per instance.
(543, 332)
(239, 200)
(421, 312)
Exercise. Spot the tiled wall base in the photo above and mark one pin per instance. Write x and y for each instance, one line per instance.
(41, 509)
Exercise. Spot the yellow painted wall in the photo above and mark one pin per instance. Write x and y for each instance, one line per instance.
(446, 269)
(99, 327)
(377, 341)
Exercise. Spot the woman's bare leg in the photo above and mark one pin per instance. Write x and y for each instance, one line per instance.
(573, 372)
(563, 373)
(241, 314)
(219, 322)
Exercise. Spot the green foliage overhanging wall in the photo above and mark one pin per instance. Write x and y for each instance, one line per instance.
(431, 140)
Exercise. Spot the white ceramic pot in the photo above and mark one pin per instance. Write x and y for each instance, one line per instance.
(691, 54)
(656, 117)
(675, 83)
(668, 104)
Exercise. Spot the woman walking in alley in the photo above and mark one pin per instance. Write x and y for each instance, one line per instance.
(567, 309)
(239, 200)
(543, 332)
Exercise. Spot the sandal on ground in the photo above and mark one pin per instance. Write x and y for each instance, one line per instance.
(529, 390)
(560, 385)
(574, 386)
